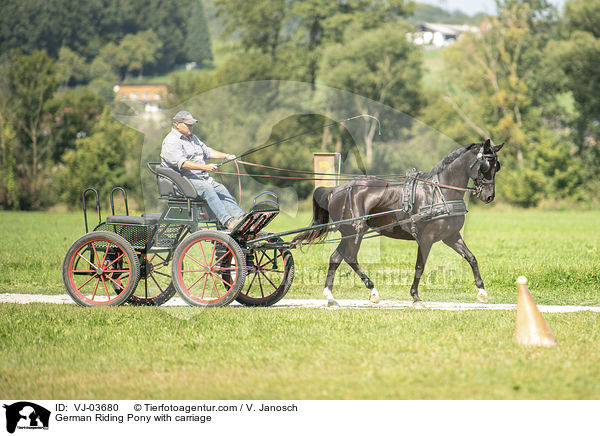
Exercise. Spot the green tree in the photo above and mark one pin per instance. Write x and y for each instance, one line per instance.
(139, 50)
(197, 42)
(107, 158)
(31, 85)
(75, 112)
(87, 26)
(578, 57)
(256, 24)
(499, 88)
(71, 68)
(381, 65)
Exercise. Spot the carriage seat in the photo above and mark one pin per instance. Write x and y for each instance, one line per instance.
(144, 220)
(172, 184)
(175, 188)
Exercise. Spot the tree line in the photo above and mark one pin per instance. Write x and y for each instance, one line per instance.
(528, 78)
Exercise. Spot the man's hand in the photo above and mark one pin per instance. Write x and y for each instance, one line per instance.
(210, 167)
(230, 156)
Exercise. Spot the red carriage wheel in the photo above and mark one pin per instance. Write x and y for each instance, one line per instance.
(101, 268)
(269, 278)
(209, 269)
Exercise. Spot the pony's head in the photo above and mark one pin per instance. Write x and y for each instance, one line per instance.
(484, 168)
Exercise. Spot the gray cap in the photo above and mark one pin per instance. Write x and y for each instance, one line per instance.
(184, 117)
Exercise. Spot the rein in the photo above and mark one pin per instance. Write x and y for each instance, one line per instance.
(346, 177)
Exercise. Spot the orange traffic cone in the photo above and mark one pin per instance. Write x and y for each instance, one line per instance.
(531, 327)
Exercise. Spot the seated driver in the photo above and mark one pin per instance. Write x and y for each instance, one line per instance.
(184, 152)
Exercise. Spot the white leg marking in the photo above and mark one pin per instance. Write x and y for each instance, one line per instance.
(374, 296)
(330, 300)
(482, 296)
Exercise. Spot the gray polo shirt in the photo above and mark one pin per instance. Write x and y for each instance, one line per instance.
(177, 148)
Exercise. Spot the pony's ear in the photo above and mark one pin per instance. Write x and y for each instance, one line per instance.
(487, 143)
(498, 147)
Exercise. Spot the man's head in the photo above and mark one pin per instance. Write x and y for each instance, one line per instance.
(184, 122)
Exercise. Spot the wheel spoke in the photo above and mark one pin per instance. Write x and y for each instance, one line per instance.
(271, 260)
(110, 264)
(251, 282)
(156, 283)
(95, 288)
(105, 287)
(203, 254)
(194, 284)
(215, 285)
(96, 253)
(212, 255)
(262, 292)
(221, 258)
(269, 280)
(86, 282)
(105, 253)
(191, 257)
(204, 286)
(116, 283)
(161, 274)
(223, 280)
(81, 255)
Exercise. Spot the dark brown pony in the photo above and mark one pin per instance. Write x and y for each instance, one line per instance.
(444, 185)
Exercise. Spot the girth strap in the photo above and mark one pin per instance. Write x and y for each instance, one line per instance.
(408, 191)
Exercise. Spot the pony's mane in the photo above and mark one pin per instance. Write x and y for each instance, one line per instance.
(451, 157)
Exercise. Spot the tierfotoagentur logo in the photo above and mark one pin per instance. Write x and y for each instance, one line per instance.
(26, 416)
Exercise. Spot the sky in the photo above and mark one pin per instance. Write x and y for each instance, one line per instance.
(471, 7)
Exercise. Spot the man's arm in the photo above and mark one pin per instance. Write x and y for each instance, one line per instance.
(189, 165)
(220, 155)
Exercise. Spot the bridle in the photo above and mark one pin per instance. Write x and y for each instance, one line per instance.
(485, 161)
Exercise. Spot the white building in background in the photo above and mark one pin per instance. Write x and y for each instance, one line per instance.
(436, 35)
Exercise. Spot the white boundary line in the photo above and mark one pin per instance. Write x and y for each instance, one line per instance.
(320, 303)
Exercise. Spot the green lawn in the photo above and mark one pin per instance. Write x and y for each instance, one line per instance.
(64, 351)
(232, 353)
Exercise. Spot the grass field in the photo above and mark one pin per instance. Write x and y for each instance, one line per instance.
(54, 352)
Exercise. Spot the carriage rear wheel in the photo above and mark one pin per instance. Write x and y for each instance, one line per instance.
(155, 286)
(270, 277)
(209, 269)
(101, 269)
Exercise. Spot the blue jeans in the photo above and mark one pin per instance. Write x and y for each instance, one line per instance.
(218, 198)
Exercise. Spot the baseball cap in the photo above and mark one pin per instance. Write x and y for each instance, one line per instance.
(184, 117)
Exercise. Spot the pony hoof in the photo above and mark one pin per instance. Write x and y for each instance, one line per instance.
(332, 304)
(419, 305)
(482, 296)
(374, 296)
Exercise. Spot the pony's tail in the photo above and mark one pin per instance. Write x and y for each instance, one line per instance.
(320, 216)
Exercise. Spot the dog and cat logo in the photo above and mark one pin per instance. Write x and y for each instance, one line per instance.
(26, 415)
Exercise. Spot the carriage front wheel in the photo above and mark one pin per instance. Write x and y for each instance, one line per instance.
(269, 278)
(208, 269)
(101, 269)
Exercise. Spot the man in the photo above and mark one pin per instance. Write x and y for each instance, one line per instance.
(184, 152)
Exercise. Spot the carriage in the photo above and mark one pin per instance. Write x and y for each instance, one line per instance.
(145, 260)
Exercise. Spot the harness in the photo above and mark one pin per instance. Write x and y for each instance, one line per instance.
(427, 212)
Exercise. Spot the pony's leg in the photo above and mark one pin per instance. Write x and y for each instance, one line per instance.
(349, 249)
(457, 244)
(334, 262)
(422, 254)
